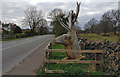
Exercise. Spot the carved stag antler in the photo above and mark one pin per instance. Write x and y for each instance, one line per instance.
(71, 18)
(64, 25)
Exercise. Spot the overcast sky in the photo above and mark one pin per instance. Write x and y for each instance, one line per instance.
(13, 10)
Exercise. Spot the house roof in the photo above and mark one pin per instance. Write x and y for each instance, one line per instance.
(5, 25)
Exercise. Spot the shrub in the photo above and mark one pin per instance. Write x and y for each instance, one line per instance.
(18, 35)
(5, 32)
(8, 37)
(17, 30)
(28, 33)
(106, 35)
(22, 35)
(25, 35)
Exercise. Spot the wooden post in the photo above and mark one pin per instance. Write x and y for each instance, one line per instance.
(118, 55)
(98, 57)
(46, 58)
(50, 47)
(118, 36)
(47, 55)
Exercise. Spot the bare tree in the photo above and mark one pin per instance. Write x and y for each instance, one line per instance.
(33, 17)
(91, 25)
(42, 23)
(87, 26)
(113, 17)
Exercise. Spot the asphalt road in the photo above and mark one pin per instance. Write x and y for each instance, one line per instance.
(14, 51)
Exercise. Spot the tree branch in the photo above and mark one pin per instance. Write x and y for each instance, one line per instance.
(77, 11)
(64, 25)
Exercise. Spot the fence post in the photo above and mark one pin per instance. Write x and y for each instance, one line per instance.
(119, 37)
(98, 57)
(47, 55)
(46, 58)
(50, 47)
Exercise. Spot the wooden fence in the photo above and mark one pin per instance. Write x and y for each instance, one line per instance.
(48, 50)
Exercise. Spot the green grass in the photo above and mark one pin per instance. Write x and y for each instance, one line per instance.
(70, 68)
(95, 37)
(56, 35)
(58, 46)
(58, 55)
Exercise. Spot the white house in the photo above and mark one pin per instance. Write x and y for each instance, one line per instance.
(6, 27)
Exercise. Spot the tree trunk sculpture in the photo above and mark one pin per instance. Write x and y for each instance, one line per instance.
(70, 39)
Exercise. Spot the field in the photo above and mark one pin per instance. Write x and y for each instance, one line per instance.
(95, 37)
(69, 69)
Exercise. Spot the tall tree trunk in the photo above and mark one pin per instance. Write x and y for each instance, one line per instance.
(72, 18)
(74, 44)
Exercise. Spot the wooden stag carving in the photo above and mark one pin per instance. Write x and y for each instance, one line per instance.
(70, 39)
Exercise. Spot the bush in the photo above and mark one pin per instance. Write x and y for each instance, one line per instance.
(22, 35)
(11, 35)
(17, 30)
(28, 33)
(18, 35)
(5, 32)
(25, 35)
(8, 36)
(105, 35)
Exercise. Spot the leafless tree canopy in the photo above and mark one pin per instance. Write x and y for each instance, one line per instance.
(113, 17)
(91, 25)
(110, 22)
(42, 23)
(33, 17)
